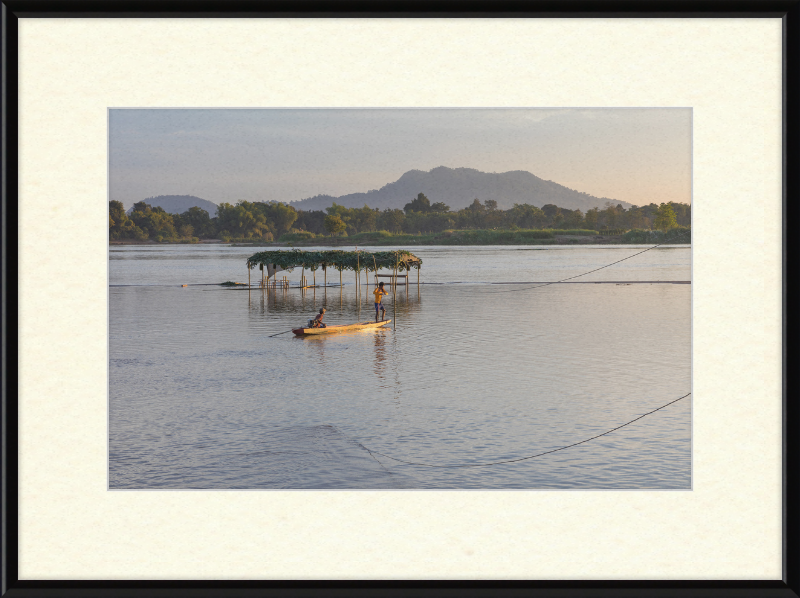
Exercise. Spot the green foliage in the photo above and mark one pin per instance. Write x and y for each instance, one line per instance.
(339, 260)
(431, 221)
(200, 222)
(254, 220)
(250, 240)
(116, 211)
(420, 204)
(120, 226)
(391, 220)
(334, 224)
(154, 222)
(665, 218)
(494, 237)
(677, 235)
(582, 232)
(361, 220)
(683, 213)
(591, 218)
(293, 236)
(574, 218)
(526, 216)
(279, 215)
(241, 220)
(508, 237)
(312, 221)
(260, 222)
(364, 238)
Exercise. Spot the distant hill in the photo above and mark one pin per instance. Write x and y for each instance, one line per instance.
(178, 204)
(458, 187)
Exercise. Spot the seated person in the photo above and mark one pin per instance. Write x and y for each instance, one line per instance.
(317, 322)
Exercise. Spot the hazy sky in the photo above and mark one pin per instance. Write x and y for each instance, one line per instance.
(635, 155)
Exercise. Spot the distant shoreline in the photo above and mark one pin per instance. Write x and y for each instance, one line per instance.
(405, 240)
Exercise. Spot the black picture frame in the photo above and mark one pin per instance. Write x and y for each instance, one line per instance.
(12, 10)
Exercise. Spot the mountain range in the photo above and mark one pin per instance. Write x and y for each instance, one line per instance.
(458, 187)
(178, 204)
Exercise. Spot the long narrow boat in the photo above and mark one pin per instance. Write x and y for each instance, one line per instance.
(341, 328)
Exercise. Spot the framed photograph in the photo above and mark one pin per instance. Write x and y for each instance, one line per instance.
(398, 301)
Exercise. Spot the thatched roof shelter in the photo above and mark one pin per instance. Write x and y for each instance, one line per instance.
(357, 261)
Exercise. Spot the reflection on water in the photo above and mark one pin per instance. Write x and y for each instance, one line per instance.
(202, 397)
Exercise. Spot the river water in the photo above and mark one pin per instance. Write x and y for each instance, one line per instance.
(470, 372)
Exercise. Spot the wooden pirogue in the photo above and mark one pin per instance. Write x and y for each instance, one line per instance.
(341, 328)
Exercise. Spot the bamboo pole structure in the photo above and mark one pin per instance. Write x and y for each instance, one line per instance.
(394, 299)
(394, 295)
(394, 276)
(341, 260)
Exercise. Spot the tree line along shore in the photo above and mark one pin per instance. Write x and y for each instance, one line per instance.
(420, 222)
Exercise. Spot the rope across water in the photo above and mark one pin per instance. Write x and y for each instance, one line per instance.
(371, 451)
(590, 271)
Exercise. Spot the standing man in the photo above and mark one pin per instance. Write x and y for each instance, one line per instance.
(379, 293)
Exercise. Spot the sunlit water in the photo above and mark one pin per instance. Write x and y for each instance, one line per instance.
(468, 373)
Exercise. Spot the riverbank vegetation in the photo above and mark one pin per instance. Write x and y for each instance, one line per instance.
(419, 222)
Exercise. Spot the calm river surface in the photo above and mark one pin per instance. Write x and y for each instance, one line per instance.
(200, 397)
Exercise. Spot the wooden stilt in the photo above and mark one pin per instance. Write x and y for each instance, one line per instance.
(394, 297)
